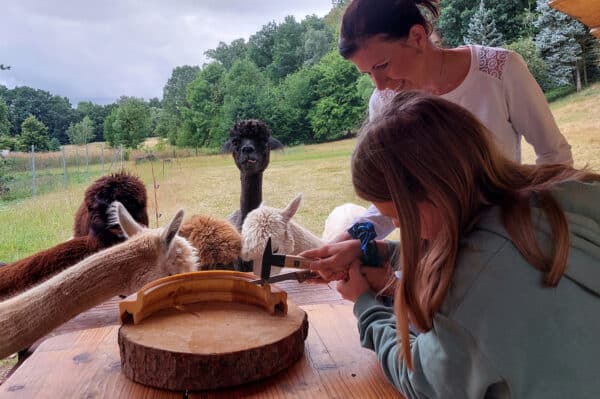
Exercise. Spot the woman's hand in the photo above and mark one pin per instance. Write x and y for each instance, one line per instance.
(334, 259)
(355, 284)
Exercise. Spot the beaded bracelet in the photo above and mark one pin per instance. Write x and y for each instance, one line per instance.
(365, 233)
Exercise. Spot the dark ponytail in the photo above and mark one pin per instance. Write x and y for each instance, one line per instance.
(393, 18)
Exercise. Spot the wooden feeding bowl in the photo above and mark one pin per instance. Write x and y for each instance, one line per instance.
(207, 330)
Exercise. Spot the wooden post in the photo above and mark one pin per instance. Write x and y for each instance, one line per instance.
(64, 162)
(33, 186)
(121, 147)
(102, 156)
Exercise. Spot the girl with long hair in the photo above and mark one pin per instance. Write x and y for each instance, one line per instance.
(497, 290)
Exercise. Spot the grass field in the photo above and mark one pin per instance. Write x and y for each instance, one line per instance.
(210, 184)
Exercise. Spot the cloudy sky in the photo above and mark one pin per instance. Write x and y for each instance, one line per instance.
(98, 50)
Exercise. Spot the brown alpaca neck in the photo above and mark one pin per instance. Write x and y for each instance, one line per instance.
(251, 195)
(34, 313)
(23, 274)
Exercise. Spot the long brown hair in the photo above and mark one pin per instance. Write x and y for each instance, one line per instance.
(425, 148)
(364, 19)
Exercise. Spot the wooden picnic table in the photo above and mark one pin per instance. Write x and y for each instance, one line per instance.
(81, 359)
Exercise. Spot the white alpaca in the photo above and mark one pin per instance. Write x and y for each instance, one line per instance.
(287, 236)
(340, 219)
(147, 255)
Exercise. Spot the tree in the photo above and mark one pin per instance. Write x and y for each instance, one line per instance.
(244, 86)
(288, 49)
(175, 91)
(34, 132)
(55, 112)
(558, 43)
(4, 122)
(97, 114)
(536, 64)
(260, 45)
(482, 29)
(228, 54)
(340, 107)
(509, 17)
(289, 107)
(128, 124)
(202, 116)
(82, 132)
(317, 43)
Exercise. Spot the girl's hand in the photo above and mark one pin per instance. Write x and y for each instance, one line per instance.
(355, 285)
(334, 259)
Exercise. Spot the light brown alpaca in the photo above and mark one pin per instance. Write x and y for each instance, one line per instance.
(217, 241)
(148, 254)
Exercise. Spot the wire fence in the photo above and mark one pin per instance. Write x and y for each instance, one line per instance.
(24, 175)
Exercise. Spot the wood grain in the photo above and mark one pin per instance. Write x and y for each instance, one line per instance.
(211, 345)
(86, 364)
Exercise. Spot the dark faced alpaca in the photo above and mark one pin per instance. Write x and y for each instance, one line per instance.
(250, 147)
(92, 218)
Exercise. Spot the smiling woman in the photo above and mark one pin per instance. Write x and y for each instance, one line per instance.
(390, 41)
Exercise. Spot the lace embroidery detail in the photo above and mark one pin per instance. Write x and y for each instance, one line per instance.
(492, 60)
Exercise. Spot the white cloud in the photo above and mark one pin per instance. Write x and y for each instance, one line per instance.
(100, 50)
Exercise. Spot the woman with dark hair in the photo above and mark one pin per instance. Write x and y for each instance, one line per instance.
(500, 262)
(390, 41)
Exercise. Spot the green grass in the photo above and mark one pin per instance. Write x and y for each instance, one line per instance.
(210, 185)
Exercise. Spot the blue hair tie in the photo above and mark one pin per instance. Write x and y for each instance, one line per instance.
(365, 233)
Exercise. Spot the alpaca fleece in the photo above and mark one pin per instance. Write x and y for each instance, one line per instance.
(287, 236)
(91, 217)
(25, 273)
(121, 269)
(218, 244)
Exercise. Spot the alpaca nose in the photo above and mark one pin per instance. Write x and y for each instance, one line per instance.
(247, 148)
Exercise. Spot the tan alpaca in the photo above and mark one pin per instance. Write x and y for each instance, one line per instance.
(146, 255)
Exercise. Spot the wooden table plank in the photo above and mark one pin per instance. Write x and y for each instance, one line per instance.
(86, 364)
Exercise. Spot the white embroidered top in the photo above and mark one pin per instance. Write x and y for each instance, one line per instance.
(502, 93)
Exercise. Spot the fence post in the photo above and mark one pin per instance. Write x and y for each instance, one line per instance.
(33, 186)
(121, 147)
(87, 161)
(64, 162)
(102, 157)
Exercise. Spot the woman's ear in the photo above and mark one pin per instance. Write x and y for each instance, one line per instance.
(417, 36)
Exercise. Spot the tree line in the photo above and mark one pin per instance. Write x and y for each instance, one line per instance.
(290, 75)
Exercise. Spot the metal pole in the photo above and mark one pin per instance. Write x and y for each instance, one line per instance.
(64, 161)
(33, 186)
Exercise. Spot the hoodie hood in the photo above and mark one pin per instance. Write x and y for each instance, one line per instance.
(581, 204)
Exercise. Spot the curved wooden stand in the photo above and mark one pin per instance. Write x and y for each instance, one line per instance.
(207, 330)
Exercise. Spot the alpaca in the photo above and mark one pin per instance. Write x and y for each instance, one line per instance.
(249, 143)
(217, 242)
(122, 269)
(91, 217)
(93, 232)
(25, 273)
(340, 219)
(273, 143)
(287, 236)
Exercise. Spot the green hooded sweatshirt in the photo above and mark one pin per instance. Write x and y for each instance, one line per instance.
(501, 333)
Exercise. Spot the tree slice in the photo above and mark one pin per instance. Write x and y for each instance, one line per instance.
(208, 345)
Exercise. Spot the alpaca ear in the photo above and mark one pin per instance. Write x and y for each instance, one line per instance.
(118, 214)
(172, 229)
(290, 210)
